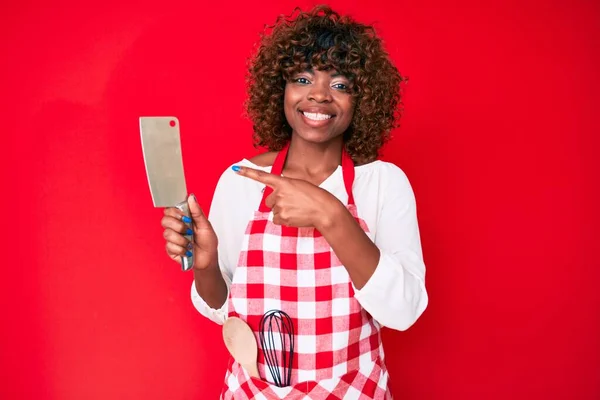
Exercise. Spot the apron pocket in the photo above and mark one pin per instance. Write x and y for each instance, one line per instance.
(368, 383)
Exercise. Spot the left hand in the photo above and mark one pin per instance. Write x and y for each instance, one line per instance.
(295, 202)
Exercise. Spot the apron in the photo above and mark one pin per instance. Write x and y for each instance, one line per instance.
(338, 353)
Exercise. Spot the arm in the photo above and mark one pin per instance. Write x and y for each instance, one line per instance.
(350, 243)
(211, 301)
(389, 273)
(210, 288)
(208, 279)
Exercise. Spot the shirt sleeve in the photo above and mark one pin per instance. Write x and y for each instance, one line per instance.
(395, 295)
(218, 315)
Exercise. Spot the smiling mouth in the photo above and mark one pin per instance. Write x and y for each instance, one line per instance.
(317, 116)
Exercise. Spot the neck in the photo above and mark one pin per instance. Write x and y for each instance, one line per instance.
(313, 159)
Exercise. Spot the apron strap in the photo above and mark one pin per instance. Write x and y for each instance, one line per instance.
(348, 173)
(277, 169)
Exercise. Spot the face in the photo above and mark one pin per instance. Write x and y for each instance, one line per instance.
(318, 105)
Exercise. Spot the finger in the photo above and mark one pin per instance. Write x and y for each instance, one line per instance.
(176, 238)
(270, 200)
(173, 212)
(260, 176)
(275, 210)
(279, 220)
(174, 250)
(175, 258)
(177, 214)
(175, 224)
(277, 217)
(196, 212)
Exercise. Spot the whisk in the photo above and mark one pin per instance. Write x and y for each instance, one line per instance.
(276, 327)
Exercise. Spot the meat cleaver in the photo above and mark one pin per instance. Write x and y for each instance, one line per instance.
(161, 145)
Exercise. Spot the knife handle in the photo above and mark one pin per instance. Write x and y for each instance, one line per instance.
(186, 262)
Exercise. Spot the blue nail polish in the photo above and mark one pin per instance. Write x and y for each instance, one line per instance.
(188, 253)
(186, 219)
(235, 168)
(189, 231)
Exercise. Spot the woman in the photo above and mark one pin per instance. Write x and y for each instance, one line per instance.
(316, 227)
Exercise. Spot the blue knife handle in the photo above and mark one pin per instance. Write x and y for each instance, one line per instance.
(187, 262)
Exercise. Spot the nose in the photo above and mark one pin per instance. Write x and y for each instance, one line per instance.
(320, 92)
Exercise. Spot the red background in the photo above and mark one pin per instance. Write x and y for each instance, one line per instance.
(498, 139)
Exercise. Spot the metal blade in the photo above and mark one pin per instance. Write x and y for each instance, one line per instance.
(161, 145)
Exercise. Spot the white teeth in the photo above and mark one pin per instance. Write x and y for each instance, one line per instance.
(316, 116)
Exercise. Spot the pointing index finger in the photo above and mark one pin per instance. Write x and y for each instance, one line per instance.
(258, 175)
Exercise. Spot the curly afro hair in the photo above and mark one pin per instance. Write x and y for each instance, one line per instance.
(322, 39)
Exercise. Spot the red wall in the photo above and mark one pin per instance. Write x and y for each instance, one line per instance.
(498, 140)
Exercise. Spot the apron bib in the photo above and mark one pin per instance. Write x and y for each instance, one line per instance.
(338, 352)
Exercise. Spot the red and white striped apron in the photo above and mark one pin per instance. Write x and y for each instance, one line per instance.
(338, 352)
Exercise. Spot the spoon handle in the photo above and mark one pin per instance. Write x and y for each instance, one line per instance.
(252, 369)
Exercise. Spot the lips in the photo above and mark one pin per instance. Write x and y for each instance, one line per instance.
(316, 119)
(317, 116)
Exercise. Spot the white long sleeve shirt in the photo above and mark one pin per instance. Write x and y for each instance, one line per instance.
(395, 295)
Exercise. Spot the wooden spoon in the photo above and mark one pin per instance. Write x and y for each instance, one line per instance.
(241, 343)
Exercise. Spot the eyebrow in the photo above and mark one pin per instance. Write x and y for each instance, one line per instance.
(333, 75)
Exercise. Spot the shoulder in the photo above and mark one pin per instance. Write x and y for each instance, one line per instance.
(234, 195)
(386, 173)
(264, 160)
(385, 179)
(230, 181)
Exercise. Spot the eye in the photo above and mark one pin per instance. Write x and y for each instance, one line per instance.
(302, 81)
(340, 86)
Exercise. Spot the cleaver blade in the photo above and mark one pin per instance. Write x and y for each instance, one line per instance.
(161, 147)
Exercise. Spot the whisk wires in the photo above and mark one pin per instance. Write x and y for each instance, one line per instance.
(277, 325)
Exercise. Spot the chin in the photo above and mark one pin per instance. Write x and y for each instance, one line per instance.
(316, 136)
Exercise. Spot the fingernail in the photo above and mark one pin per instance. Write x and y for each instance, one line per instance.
(188, 253)
(189, 231)
(194, 198)
(235, 168)
(186, 219)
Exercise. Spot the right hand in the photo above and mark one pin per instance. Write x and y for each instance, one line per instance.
(205, 238)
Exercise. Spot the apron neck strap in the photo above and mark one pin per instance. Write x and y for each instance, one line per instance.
(279, 162)
(277, 169)
(348, 173)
